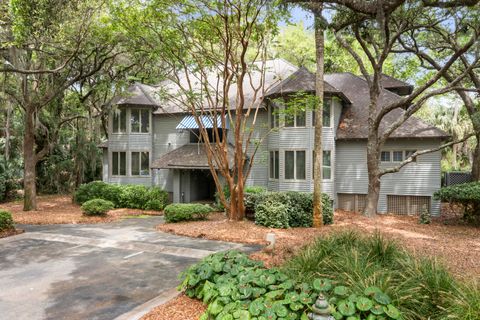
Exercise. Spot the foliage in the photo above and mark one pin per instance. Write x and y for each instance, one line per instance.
(424, 217)
(298, 206)
(9, 176)
(97, 207)
(6, 221)
(466, 194)
(176, 212)
(419, 288)
(251, 196)
(235, 286)
(123, 196)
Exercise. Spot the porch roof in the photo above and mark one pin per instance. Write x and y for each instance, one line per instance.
(188, 156)
(207, 121)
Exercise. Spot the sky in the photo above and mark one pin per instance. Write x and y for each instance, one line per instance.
(298, 15)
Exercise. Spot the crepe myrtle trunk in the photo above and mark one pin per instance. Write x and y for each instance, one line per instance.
(373, 166)
(30, 162)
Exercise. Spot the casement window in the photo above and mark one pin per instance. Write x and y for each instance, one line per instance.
(274, 117)
(296, 120)
(295, 165)
(140, 164)
(274, 165)
(139, 120)
(327, 113)
(119, 163)
(327, 165)
(385, 156)
(397, 156)
(119, 123)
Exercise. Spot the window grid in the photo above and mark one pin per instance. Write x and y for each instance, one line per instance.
(119, 122)
(139, 120)
(294, 166)
(274, 165)
(119, 163)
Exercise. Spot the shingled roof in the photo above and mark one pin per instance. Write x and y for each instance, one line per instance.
(354, 119)
(188, 156)
(138, 94)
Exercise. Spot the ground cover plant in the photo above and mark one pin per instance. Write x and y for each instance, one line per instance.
(6, 221)
(97, 207)
(123, 196)
(420, 288)
(236, 287)
(467, 195)
(177, 212)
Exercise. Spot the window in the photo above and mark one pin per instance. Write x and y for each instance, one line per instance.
(327, 165)
(139, 120)
(140, 164)
(119, 163)
(196, 137)
(408, 153)
(119, 121)
(385, 156)
(397, 156)
(295, 120)
(327, 113)
(295, 165)
(274, 165)
(274, 117)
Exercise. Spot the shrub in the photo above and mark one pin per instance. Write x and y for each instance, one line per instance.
(234, 286)
(419, 288)
(123, 196)
(299, 206)
(272, 214)
(466, 194)
(6, 221)
(424, 217)
(97, 207)
(176, 212)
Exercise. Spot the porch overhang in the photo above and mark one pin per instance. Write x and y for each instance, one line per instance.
(207, 121)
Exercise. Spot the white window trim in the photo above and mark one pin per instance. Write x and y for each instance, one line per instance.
(404, 155)
(269, 165)
(127, 127)
(129, 115)
(331, 167)
(294, 165)
(111, 164)
(294, 122)
(149, 162)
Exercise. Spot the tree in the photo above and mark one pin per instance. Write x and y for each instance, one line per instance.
(378, 37)
(216, 52)
(51, 47)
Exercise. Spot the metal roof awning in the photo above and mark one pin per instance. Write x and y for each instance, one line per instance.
(207, 121)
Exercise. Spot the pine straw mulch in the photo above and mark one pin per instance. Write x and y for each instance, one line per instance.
(59, 209)
(12, 232)
(446, 238)
(179, 308)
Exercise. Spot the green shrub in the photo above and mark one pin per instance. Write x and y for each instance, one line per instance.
(466, 194)
(424, 217)
(234, 286)
(3, 188)
(299, 206)
(419, 288)
(97, 207)
(6, 221)
(123, 196)
(176, 212)
(272, 214)
(255, 189)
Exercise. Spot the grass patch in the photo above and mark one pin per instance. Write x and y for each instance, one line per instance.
(421, 288)
(141, 216)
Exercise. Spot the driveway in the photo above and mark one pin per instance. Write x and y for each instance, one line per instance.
(100, 271)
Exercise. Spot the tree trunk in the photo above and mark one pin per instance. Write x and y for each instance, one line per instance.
(317, 179)
(373, 177)
(7, 129)
(30, 162)
(237, 206)
(476, 160)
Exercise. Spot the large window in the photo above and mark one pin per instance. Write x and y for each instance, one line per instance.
(140, 164)
(119, 163)
(119, 122)
(274, 117)
(274, 165)
(295, 165)
(139, 120)
(297, 119)
(327, 113)
(327, 165)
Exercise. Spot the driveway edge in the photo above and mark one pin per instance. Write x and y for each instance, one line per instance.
(143, 309)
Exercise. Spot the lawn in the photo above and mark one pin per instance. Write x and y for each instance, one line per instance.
(59, 209)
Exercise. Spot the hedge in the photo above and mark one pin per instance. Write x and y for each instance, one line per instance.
(97, 207)
(177, 212)
(123, 196)
(6, 221)
(466, 194)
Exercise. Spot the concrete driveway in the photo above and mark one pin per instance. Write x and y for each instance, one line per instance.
(101, 271)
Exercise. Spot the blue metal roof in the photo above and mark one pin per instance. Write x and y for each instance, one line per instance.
(188, 122)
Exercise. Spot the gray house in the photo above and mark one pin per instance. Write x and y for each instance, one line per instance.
(154, 143)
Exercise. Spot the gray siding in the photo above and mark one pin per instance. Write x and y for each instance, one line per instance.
(421, 178)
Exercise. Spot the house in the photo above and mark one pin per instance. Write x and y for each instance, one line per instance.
(154, 143)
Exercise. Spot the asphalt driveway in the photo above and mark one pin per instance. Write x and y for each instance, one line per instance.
(100, 271)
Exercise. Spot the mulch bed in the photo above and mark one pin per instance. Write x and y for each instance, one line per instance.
(180, 308)
(59, 209)
(8, 233)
